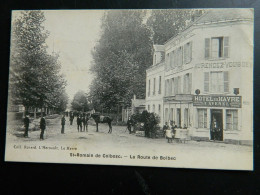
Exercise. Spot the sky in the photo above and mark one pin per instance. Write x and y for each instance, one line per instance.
(73, 34)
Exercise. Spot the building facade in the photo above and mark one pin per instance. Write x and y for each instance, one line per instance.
(208, 71)
(154, 82)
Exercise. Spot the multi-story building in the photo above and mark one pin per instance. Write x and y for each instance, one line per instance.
(154, 82)
(207, 76)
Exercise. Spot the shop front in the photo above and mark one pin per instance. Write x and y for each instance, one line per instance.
(217, 117)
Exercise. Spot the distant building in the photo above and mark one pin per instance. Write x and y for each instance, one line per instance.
(206, 76)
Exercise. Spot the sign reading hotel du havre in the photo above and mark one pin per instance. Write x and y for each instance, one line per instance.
(132, 88)
(217, 101)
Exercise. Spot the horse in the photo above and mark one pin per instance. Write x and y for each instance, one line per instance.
(102, 119)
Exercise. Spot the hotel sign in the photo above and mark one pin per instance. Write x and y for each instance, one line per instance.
(217, 101)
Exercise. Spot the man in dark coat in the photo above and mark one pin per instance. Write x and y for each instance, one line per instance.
(26, 122)
(85, 123)
(63, 124)
(129, 124)
(79, 123)
(42, 127)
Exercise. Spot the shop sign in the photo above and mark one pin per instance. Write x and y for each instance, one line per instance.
(217, 101)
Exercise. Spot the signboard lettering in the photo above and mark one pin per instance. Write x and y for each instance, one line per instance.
(217, 101)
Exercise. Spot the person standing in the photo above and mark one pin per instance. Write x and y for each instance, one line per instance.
(129, 124)
(85, 123)
(165, 127)
(26, 122)
(79, 123)
(63, 124)
(42, 127)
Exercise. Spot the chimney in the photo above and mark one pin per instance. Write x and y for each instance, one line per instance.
(134, 96)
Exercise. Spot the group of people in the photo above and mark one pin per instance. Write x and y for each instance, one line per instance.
(82, 121)
(82, 124)
(42, 126)
(169, 131)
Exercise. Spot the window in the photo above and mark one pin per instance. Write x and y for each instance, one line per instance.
(160, 83)
(176, 85)
(154, 82)
(172, 59)
(231, 119)
(159, 109)
(154, 59)
(187, 53)
(202, 118)
(167, 61)
(149, 87)
(187, 83)
(179, 56)
(186, 117)
(172, 86)
(166, 115)
(148, 108)
(216, 82)
(179, 84)
(216, 47)
(153, 108)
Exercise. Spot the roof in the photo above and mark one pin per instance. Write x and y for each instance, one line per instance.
(218, 15)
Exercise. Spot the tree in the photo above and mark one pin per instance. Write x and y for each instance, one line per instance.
(80, 102)
(35, 79)
(167, 23)
(121, 57)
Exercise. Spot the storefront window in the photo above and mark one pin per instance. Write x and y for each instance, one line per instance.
(202, 118)
(232, 119)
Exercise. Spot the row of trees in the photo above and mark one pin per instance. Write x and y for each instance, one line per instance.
(125, 50)
(35, 78)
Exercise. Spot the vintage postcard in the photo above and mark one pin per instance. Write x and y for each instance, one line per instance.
(161, 88)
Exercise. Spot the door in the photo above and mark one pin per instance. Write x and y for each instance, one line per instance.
(178, 117)
(216, 127)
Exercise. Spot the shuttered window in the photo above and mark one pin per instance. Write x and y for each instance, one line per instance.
(207, 48)
(226, 82)
(160, 84)
(172, 86)
(176, 85)
(206, 81)
(187, 52)
(190, 83)
(226, 47)
(217, 47)
(216, 82)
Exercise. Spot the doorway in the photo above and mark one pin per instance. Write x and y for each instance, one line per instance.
(216, 125)
(178, 117)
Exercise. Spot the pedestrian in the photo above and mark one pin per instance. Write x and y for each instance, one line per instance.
(79, 123)
(85, 123)
(129, 124)
(63, 124)
(169, 135)
(214, 128)
(42, 127)
(26, 122)
(165, 127)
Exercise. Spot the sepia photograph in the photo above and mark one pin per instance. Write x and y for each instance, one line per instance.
(148, 87)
